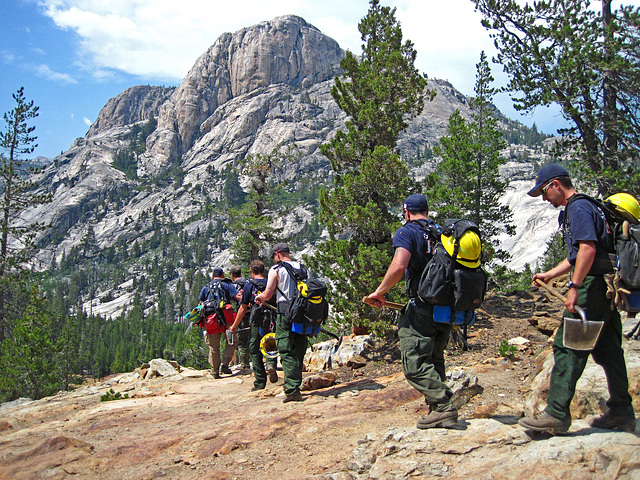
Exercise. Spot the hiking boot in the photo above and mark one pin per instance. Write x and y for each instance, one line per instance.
(273, 375)
(624, 423)
(436, 419)
(255, 388)
(543, 422)
(216, 375)
(295, 397)
(225, 369)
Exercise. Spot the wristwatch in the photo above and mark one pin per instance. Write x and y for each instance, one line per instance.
(572, 285)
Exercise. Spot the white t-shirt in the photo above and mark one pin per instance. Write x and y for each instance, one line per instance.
(285, 285)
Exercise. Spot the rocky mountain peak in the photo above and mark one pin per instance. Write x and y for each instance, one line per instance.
(135, 104)
(283, 50)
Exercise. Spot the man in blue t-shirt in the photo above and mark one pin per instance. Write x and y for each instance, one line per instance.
(588, 241)
(422, 341)
(214, 330)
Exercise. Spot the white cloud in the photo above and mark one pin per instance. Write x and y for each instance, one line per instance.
(45, 71)
(161, 39)
(87, 121)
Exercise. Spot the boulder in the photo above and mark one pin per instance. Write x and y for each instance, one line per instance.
(591, 390)
(159, 367)
(325, 356)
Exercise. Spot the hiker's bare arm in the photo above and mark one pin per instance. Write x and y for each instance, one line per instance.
(394, 274)
(563, 267)
(241, 311)
(272, 282)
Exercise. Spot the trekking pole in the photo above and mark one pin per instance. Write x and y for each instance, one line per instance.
(392, 305)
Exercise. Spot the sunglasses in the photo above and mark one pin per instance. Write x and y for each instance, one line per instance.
(546, 187)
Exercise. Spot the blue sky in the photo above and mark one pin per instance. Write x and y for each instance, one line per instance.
(71, 56)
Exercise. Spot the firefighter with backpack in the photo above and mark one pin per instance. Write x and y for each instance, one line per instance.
(423, 337)
(216, 300)
(589, 241)
(291, 345)
(262, 322)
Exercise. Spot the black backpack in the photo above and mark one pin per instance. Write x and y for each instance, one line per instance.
(447, 283)
(217, 298)
(309, 307)
(261, 315)
(621, 265)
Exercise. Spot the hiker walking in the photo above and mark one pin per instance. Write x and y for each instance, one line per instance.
(587, 238)
(261, 318)
(218, 294)
(422, 341)
(291, 345)
(241, 338)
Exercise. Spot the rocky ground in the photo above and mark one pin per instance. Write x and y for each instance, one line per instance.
(190, 426)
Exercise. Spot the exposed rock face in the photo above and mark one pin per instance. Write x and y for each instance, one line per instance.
(285, 50)
(134, 105)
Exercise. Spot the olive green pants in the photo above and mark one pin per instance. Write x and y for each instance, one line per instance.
(422, 344)
(292, 347)
(259, 371)
(243, 351)
(608, 353)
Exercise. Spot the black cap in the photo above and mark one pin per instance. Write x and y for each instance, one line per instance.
(279, 247)
(545, 174)
(218, 272)
(416, 203)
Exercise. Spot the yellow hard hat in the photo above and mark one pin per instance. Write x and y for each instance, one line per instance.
(469, 250)
(626, 205)
(268, 345)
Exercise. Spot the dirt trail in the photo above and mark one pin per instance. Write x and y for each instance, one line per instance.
(212, 429)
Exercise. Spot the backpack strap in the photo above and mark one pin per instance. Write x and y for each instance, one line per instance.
(293, 276)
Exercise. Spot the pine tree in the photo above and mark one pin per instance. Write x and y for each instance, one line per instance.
(18, 193)
(587, 62)
(27, 366)
(380, 92)
(466, 182)
(252, 224)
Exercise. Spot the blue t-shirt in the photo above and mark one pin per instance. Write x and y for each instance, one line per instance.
(420, 244)
(584, 222)
(227, 287)
(250, 290)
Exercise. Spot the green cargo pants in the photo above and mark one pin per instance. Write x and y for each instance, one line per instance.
(608, 353)
(292, 347)
(243, 350)
(259, 371)
(422, 344)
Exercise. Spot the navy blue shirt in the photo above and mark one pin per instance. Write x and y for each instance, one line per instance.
(226, 286)
(250, 290)
(420, 244)
(584, 222)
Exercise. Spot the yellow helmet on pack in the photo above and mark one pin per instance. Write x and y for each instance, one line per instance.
(626, 205)
(469, 250)
(268, 345)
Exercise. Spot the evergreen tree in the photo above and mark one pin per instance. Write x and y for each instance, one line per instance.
(18, 193)
(587, 62)
(466, 182)
(67, 352)
(380, 92)
(252, 224)
(27, 357)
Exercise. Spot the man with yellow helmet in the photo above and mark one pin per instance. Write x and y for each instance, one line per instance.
(588, 238)
(422, 341)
